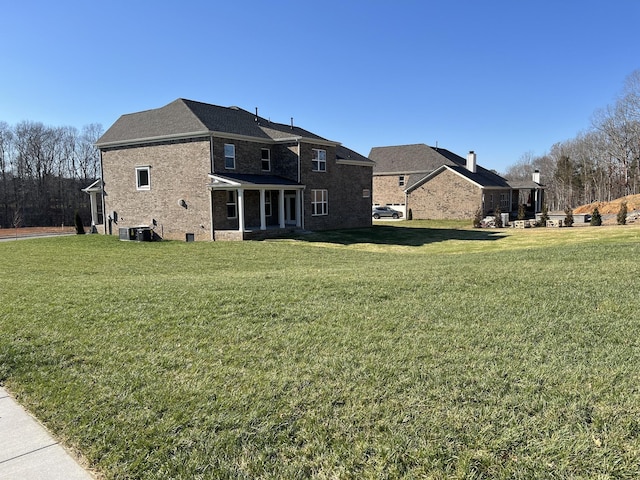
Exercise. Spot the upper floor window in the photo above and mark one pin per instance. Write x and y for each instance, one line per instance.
(229, 155)
(266, 160)
(319, 160)
(401, 181)
(319, 202)
(143, 178)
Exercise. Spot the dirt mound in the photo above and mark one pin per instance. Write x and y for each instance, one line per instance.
(633, 203)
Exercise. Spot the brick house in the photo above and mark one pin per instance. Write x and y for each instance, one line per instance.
(192, 170)
(435, 183)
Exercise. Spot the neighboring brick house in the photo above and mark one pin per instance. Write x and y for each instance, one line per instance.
(435, 183)
(192, 170)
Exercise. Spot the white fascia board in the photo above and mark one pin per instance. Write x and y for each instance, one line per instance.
(466, 178)
(219, 182)
(161, 138)
(361, 163)
(436, 172)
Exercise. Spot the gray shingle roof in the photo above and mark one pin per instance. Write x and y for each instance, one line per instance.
(185, 117)
(417, 158)
(421, 158)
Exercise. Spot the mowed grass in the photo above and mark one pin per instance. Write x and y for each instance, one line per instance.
(408, 350)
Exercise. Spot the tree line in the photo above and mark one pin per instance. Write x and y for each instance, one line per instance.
(600, 164)
(42, 172)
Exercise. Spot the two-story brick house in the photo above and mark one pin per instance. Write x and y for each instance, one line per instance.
(435, 183)
(192, 170)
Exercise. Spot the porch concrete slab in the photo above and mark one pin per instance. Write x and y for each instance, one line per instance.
(28, 451)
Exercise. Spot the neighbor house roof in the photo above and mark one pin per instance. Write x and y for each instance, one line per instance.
(406, 159)
(482, 177)
(430, 161)
(187, 118)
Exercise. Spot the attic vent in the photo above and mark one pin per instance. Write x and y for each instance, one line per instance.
(233, 107)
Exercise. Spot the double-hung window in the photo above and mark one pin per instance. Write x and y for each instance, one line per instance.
(232, 204)
(319, 160)
(266, 160)
(143, 178)
(504, 201)
(229, 156)
(319, 202)
(401, 181)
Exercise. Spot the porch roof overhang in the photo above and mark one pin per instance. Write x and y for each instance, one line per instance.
(251, 182)
(94, 187)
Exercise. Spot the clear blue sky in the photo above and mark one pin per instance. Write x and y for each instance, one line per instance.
(499, 77)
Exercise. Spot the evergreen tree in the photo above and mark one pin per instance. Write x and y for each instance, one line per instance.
(568, 219)
(78, 222)
(596, 218)
(622, 214)
(521, 211)
(477, 218)
(544, 216)
(498, 215)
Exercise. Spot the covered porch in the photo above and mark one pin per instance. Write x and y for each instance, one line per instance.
(254, 206)
(95, 195)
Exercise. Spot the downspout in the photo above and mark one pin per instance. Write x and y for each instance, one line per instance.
(406, 205)
(301, 191)
(211, 226)
(104, 212)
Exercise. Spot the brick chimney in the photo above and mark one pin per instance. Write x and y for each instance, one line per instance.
(471, 162)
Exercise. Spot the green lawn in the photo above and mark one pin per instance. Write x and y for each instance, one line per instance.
(408, 350)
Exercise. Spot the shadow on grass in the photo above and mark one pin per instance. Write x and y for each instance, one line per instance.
(392, 235)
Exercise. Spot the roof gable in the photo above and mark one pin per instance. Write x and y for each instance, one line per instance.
(482, 178)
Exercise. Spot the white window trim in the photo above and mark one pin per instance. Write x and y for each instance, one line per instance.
(401, 180)
(321, 162)
(233, 158)
(148, 185)
(268, 159)
(319, 202)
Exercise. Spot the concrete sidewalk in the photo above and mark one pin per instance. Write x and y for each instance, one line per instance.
(28, 451)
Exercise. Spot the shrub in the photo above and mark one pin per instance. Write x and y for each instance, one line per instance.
(521, 211)
(78, 222)
(622, 214)
(544, 216)
(477, 219)
(596, 218)
(410, 215)
(498, 214)
(568, 217)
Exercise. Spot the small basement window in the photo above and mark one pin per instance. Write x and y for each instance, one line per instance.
(143, 178)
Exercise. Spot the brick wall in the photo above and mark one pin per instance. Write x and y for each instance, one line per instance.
(178, 171)
(284, 159)
(387, 191)
(345, 184)
(446, 196)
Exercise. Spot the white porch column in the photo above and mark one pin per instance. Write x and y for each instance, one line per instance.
(263, 213)
(240, 210)
(281, 208)
(93, 196)
(298, 210)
